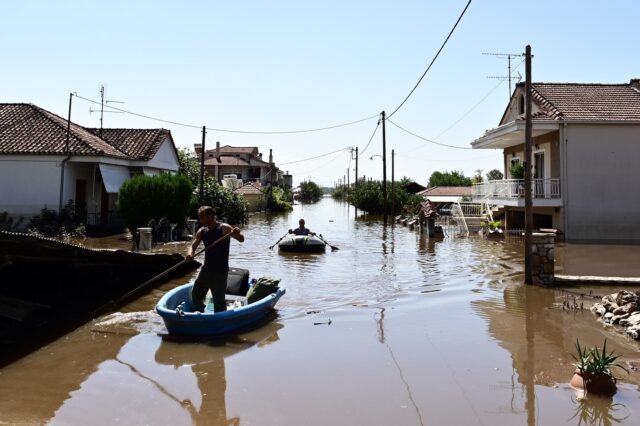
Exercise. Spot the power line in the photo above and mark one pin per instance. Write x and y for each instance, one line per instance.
(425, 139)
(433, 60)
(313, 158)
(213, 129)
(370, 139)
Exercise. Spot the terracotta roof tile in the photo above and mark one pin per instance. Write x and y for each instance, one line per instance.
(447, 191)
(249, 188)
(28, 129)
(140, 144)
(578, 101)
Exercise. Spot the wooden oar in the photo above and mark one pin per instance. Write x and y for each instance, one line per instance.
(162, 274)
(325, 241)
(278, 241)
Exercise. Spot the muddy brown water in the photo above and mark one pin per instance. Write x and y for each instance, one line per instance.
(392, 329)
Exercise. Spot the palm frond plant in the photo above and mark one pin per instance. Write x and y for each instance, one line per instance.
(593, 369)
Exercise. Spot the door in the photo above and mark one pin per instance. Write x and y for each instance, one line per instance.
(538, 174)
(81, 199)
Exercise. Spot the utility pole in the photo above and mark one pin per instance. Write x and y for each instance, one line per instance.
(393, 187)
(528, 205)
(64, 160)
(384, 167)
(356, 181)
(202, 152)
(348, 183)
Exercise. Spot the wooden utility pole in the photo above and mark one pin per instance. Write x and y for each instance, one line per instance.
(356, 181)
(348, 183)
(384, 167)
(393, 187)
(528, 205)
(66, 151)
(201, 195)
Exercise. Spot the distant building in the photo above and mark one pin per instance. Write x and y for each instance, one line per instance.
(245, 162)
(38, 169)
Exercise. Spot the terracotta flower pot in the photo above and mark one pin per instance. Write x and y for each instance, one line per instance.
(599, 384)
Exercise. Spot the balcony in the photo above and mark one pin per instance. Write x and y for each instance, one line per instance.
(510, 192)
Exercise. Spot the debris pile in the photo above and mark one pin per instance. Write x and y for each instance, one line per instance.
(623, 309)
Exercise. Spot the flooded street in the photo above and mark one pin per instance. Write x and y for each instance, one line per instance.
(391, 329)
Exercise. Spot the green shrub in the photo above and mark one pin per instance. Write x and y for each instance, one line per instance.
(517, 171)
(8, 223)
(280, 200)
(310, 192)
(368, 197)
(143, 198)
(61, 225)
(230, 207)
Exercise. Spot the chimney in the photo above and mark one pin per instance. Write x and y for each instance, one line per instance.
(635, 83)
(218, 151)
(270, 156)
(197, 147)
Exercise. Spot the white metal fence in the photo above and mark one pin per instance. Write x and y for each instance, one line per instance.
(514, 188)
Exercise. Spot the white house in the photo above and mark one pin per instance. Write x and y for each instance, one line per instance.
(586, 151)
(41, 165)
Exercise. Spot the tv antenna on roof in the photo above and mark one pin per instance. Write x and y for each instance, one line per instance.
(509, 77)
(102, 111)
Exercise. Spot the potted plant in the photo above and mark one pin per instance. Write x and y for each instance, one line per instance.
(492, 229)
(593, 370)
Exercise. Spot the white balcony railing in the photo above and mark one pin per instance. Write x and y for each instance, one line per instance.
(514, 188)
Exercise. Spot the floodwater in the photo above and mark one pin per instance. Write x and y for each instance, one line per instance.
(392, 329)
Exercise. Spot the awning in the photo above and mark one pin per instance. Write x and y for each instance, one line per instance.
(113, 177)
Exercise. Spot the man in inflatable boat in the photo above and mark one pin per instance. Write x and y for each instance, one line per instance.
(301, 230)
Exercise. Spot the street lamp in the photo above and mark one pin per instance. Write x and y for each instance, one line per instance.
(376, 155)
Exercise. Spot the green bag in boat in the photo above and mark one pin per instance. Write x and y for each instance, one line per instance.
(263, 287)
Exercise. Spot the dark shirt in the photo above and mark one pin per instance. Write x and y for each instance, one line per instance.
(216, 259)
(303, 231)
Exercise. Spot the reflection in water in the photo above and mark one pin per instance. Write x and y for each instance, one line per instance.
(483, 349)
(599, 411)
(185, 384)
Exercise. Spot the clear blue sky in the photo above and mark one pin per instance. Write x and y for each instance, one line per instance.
(287, 65)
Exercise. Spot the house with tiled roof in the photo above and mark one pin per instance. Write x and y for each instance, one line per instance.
(243, 161)
(586, 152)
(45, 161)
(254, 194)
(446, 194)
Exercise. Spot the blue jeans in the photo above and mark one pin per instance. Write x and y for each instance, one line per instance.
(209, 280)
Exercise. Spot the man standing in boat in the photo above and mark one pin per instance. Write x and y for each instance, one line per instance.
(213, 275)
(301, 230)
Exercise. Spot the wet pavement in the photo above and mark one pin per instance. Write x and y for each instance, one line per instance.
(392, 329)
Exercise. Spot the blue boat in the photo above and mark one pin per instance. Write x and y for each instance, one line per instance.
(176, 310)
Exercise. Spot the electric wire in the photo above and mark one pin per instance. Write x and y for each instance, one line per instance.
(425, 139)
(313, 158)
(433, 60)
(214, 129)
(370, 139)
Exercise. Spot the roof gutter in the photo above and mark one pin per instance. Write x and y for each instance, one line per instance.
(67, 158)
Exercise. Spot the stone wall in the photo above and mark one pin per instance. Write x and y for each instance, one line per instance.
(543, 258)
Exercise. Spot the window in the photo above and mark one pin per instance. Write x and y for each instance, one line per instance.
(521, 105)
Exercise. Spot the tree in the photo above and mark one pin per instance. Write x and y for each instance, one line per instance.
(229, 206)
(477, 178)
(143, 198)
(189, 166)
(310, 192)
(368, 197)
(453, 178)
(494, 174)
